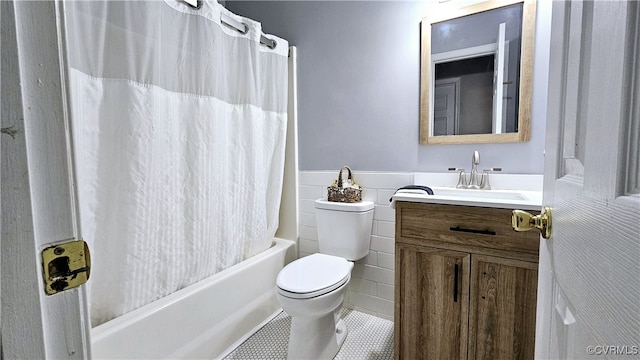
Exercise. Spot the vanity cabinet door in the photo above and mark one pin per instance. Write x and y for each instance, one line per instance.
(502, 313)
(432, 299)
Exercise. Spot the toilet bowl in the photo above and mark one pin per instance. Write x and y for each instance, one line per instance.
(311, 289)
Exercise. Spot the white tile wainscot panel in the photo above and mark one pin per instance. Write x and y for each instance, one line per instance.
(371, 287)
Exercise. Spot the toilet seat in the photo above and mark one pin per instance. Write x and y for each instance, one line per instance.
(313, 275)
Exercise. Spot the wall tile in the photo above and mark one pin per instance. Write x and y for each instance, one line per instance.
(384, 196)
(311, 192)
(385, 291)
(307, 219)
(308, 232)
(307, 206)
(384, 180)
(369, 194)
(383, 244)
(386, 260)
(366, 311)
(378, 274)
(318, 178)
(363, 286)
(371, 259)
(384, 212)
(379, 305)
(387, 228)
(308, 246)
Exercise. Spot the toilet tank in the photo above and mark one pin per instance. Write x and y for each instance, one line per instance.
(344, 229)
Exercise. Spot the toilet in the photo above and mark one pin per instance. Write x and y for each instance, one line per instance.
(311, 289)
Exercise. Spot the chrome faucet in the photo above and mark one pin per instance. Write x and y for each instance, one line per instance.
(475, 181)
(475, 161)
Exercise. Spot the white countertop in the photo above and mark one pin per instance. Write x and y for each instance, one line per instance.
(509, 191)
(523, 200)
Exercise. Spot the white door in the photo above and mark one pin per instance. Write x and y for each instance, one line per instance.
(446, 106)
(38, 200)
(589, 277)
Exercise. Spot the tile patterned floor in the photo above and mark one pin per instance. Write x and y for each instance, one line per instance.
(369, 338)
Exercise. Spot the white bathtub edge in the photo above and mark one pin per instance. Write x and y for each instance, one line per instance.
(195, 322)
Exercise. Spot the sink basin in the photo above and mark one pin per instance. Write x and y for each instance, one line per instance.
(482, 194)
(507, 199)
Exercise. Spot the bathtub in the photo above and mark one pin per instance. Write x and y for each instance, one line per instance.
(201, 320)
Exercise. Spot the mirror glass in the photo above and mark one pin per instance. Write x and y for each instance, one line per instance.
(476, 73)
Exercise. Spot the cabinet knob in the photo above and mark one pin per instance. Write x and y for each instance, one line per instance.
(523, 221)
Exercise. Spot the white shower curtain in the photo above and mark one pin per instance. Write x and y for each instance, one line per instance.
(179, 126)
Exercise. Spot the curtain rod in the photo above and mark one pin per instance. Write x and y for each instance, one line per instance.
(238, 26)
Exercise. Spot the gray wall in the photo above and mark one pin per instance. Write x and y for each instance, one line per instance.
(358, 87)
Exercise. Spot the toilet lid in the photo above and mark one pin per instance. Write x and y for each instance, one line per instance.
(361, 206)
(313, 275)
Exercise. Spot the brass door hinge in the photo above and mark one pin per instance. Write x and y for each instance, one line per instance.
(65, 266)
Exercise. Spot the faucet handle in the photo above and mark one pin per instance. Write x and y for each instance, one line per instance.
(462, 178)
(484, 184)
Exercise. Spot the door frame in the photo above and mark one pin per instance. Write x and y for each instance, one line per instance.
(39, 206)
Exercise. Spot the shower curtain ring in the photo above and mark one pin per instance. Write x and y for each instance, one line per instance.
(246, 29)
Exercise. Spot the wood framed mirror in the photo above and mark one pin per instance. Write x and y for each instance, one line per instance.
(466, 53)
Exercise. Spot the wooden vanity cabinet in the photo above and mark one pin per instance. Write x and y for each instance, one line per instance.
(465, 284)
(433, 303)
